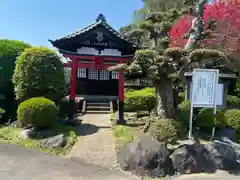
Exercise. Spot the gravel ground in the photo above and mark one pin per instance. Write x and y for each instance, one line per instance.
(95, 144)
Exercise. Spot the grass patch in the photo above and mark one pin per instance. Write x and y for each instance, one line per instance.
(123, 134)
(10, 135)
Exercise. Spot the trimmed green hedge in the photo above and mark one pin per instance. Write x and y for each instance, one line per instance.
(38, 112)
(140, 100)
(233, 100)
(39, 73)
(233, 118)
(205, 118)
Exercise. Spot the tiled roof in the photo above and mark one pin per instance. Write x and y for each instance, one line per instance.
(99, 21)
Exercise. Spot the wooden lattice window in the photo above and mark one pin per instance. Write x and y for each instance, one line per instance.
(67, 73)
(115, 75)
(82, 73)
(104, 75)
(93, 74)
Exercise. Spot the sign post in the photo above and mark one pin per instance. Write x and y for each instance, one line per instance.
(203, 92)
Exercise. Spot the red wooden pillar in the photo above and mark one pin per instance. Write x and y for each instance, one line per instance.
(73, 80)
(121, 97)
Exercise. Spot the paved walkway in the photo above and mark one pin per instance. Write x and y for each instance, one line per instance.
(95, 144)
(19, 163)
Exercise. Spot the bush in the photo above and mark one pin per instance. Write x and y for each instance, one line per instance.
(166, 130)
(39, 72)
(233, 118)
(205, 119)
(182, 95)
(140, 100)
(2, 112)
(233, 100)
(63, 107)
(183, 112)
(9, 49)
(39, 112)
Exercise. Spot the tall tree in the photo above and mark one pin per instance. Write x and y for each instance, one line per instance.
(162, 63)
(222, 23)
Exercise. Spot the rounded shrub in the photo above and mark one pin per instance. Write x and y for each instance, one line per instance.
(39, 73)
(140, 100)
(166, 130)
(38, 112)
(233, 118)
(205, 119)
(233, 100)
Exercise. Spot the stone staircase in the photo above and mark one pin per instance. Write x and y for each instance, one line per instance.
(97, 106)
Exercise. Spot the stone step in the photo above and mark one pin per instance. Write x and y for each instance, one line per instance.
(98, 108)
(97, 112)
(98, 104)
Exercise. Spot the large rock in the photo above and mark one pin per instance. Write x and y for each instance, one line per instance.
(16, 124)
(192, 159)
(222, 155)
(27, 133)
(229, 133)
(54, 142)
(234, 145)
(46, 133)
(145, 157)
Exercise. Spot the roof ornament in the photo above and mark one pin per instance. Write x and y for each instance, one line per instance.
(101, 17)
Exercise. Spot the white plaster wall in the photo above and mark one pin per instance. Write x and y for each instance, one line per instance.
(87, 50)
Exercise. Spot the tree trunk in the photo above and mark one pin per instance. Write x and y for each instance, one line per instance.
(165, 101)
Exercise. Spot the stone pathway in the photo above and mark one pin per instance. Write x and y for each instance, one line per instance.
(95, 144)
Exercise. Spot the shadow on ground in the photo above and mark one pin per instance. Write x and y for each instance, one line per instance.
(88, 129)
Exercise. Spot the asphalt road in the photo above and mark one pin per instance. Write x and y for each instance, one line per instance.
(18, 163)
(219, 175)
(24, 164)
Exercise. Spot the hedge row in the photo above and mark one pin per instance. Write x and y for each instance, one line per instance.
(204, 117)
(140, 100)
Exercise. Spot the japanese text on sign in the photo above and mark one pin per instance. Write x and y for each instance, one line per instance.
(203, 87)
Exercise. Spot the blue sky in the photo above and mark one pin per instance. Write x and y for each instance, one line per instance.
(36, 21)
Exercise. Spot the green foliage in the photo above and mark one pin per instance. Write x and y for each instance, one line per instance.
(9, 49)
(183, 112)
(233, 100)
(2, 111)
(233, 118)
(10, 135)
(39, 72)
(63, 107)
(39, 112)
(123, 134)
(237, 87)
(138, 100)
(12, 47)
(166, 130)
(182, 95)
(205, 119)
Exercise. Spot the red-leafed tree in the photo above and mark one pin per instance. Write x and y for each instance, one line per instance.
(222, 28)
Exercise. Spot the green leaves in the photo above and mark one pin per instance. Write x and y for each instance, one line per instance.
(39, 72)
(199, 54)
(12, 47)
